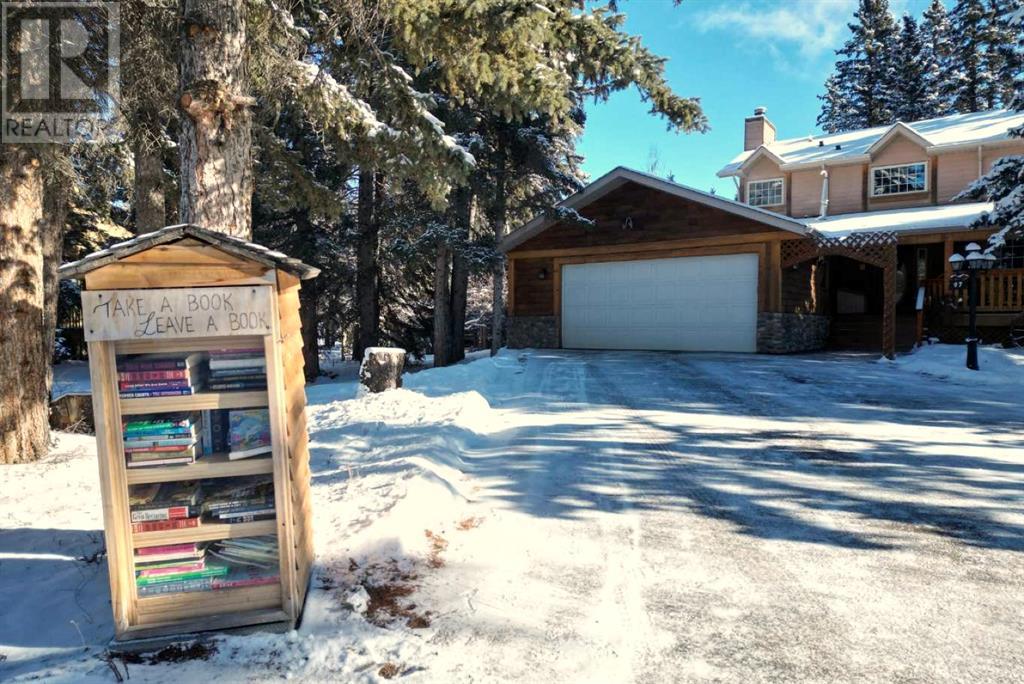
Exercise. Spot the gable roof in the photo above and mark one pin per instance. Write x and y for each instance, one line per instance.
(227, 243)
(619, 176)
(935, 135)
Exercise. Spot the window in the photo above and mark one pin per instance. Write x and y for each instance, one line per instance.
(897, 180)
(765, 193)
(1011, 255)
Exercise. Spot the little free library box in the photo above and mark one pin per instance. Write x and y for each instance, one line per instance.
(195, 357)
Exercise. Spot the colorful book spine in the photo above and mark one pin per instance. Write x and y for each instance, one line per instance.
(248, 517)
(159, 444)
(158, 393)
(158, 448)
(222, 386)
(162, 525)
(194, 566)
(163, 549)
(153, 365)
(208, 571)
(153, 376)
(146, 425)
(164, 513)
(154, 385)
(229, 583)
(178, 587)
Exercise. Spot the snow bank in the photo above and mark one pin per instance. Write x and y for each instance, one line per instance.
(998, 366)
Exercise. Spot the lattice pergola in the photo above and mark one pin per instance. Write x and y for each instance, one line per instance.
(877, 249)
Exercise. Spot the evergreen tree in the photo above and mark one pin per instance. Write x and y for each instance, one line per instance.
(975, 82)
(861, 89)
(1003, 56)
(941, 71)
(1004, 183)
(913, 96)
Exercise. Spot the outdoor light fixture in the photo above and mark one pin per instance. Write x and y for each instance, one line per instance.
(542, 274)
(967, 268)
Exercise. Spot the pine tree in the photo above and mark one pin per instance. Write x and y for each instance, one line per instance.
(1003, 57)
(971, 36)
(913, 97)
(941, 71)
(864, 78)
(1004, 183)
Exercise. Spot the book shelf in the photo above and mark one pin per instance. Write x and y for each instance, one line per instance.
(187, 296)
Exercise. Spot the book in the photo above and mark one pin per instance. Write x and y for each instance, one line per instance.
(153, 375)
(158, 393)
(165, 513)
(171, 569)
(249, 362)
(246, 576)
(155, 362)
(185, 460)
(208, 571)
(234, 515)
(176, 587)
(247, 551)
(235, 373)
(153, 385)
(248, 433)
(164, 549)
(239, 454)
(165, 444)
(163, 525)
(231, 386)
(169, 422)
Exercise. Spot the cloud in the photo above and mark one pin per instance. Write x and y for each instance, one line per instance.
(811, 28)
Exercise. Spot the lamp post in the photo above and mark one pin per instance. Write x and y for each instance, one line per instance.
(968, 267)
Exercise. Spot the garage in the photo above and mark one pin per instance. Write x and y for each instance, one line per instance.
(706, 303)
(635, 262)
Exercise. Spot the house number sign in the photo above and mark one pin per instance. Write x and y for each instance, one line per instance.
(176, 312)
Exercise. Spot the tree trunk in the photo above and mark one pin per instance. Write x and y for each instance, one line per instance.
(460, 288)
(24, 368)
(55, 207)
(309, 314)
(366, 264)
(460, 276)
(498, 270)
(442, 308)
(215, 140)
(149, 204)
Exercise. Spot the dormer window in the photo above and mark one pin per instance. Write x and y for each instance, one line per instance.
(899, 180)
(765, 193)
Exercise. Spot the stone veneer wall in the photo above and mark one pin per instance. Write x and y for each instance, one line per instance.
(540, 332)
(788, 333)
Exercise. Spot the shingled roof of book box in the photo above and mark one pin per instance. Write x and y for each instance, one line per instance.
(228, 243)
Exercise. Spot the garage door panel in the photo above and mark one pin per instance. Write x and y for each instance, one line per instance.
(687, 304)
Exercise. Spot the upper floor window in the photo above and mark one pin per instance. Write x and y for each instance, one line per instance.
(897, 180)
(765, 193)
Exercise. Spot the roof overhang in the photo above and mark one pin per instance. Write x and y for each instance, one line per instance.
(227, 243)
(758, 153)
(619, 176)
(912, 220)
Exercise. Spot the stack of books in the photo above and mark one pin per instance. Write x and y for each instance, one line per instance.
(159, 375)
(161, 440)
(167, 506)
(237, 369)
(229, 564)
(238, 501)
(248, 433)
(175, 568)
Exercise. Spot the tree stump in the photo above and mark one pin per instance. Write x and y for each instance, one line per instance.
(381, 369)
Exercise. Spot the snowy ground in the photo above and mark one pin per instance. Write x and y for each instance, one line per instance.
(551, 516)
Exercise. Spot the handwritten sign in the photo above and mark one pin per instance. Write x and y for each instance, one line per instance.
(179, 312)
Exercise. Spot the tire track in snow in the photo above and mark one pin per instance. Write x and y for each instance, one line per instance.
(756, 616)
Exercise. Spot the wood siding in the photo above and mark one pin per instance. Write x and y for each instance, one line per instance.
(663, 226)
(845, 189)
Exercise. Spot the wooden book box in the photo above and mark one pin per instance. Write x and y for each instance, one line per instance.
(180, 293)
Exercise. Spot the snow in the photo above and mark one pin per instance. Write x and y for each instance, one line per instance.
(997, 366)
(559, 516)
(923, 219)
(942, 132)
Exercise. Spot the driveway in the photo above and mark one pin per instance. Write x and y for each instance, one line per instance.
(686, 517)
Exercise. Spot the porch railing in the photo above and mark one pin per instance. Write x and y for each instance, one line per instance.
(998, 290)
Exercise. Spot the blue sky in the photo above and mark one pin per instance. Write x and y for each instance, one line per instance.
(734, 55)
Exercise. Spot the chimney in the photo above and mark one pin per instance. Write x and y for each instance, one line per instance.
(757, 130)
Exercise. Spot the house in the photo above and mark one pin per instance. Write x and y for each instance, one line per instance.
(838, 241)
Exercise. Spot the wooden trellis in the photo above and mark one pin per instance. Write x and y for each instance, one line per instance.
(876, 249)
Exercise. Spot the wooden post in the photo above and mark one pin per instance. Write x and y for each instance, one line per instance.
(947, 268)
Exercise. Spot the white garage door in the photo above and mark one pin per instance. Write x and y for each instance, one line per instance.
(688, 304)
